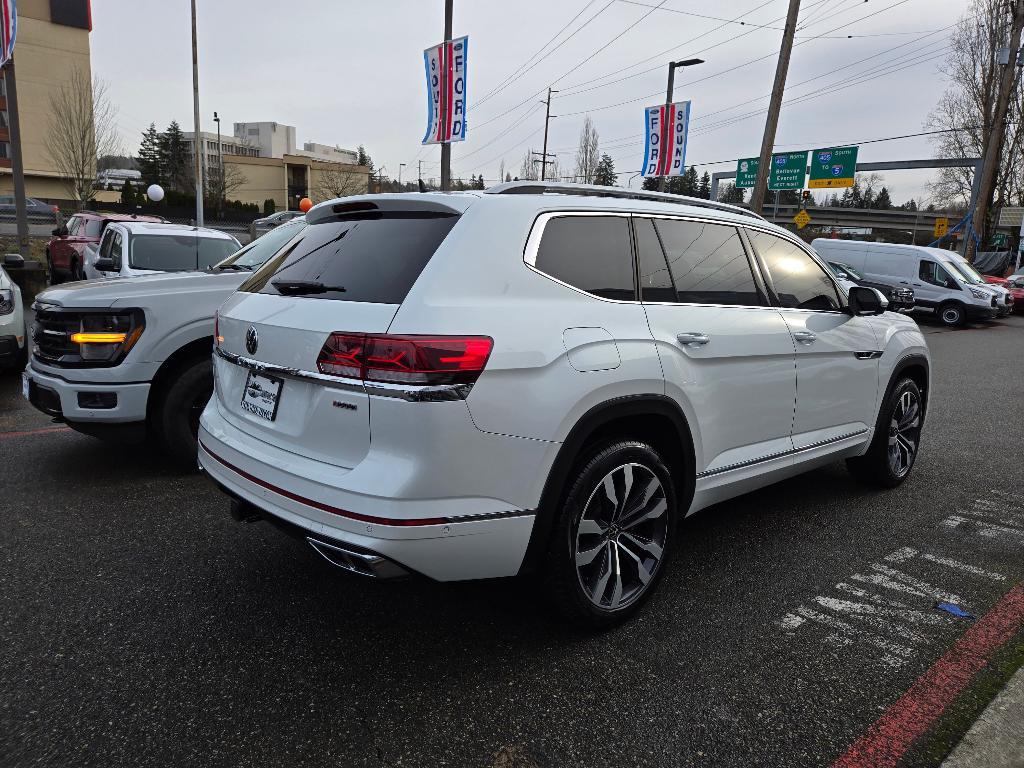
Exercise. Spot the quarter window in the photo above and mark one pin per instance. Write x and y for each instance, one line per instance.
(591, 253)
(800, 283)
(708, 263)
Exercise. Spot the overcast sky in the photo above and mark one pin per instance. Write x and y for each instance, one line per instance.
(347, 73)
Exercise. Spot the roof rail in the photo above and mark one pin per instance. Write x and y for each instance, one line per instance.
(595, 190)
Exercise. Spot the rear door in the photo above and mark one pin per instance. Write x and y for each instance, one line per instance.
(836, 353)
(723, 349)
(348, 274)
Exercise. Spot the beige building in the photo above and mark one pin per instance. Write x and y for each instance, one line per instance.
(47, 51)
(286, 180)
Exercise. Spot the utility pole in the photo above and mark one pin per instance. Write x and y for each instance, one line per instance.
(774, 106)
(197, 144)
(547, 119)
(446, 147)
(17, 166)
(994, 145)
(400, 167)
(669, 120)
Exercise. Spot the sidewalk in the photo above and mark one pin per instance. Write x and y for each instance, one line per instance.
(996, 740)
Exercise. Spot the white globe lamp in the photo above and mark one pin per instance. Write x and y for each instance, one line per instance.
(155, 193)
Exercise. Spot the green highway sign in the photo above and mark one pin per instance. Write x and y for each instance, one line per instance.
(833, 167)
(788, 169)
(746, 171)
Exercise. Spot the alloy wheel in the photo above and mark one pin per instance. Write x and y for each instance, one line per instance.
(620, 538)
(904, 433)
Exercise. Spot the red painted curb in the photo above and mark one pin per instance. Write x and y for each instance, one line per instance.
(28, 432)
(892, 734)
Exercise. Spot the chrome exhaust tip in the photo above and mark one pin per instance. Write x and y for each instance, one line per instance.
(364, 563)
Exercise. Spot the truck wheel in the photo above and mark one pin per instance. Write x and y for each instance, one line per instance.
(613, 535)
(54, 277)
(952, 315)
(76, 272)
(177, 413)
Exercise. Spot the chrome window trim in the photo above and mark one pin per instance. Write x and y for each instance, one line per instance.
(540, 223)
(412, 393)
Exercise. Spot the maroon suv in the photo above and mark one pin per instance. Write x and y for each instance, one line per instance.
(66, 251)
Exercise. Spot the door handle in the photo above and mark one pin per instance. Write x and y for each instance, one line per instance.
(693, 339)
(804, 337)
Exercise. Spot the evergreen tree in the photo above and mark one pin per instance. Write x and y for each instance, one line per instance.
(128, 196)
(650, 184)
(704, 190)
(150, 159)
(730, 193)
(856, 199)
(882, 202)
(688, 182)
(175, 159)
(604, 175)
(508, 176)
(363, 158)
(480, 181)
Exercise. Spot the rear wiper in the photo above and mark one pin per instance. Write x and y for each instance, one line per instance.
(301, 287)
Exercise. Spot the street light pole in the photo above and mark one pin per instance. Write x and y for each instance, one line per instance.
(197, 143)
(220, 170)
(670, 119)
(446, 147)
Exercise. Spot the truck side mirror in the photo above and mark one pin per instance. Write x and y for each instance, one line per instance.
(866, 301)
(105, 264)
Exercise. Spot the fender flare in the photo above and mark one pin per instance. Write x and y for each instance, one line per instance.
(572, 447)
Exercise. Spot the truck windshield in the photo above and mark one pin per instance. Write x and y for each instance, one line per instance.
(256, 253)
(178, 253)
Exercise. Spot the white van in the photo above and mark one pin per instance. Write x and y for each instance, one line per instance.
(1004, 299)
(939, 283)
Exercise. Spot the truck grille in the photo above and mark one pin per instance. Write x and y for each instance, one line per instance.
(51, 335)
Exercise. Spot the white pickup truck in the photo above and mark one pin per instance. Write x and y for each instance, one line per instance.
(129, 358)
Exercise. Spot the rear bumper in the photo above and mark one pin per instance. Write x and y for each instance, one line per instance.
(441, 538)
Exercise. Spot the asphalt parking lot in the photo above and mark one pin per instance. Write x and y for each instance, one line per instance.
(140, 625)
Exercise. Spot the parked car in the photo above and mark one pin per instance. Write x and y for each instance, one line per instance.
(544, 377)
(1004, 299)
(1015, 285)
(65, 253)
(128, 358)
(277, 219)
(899, 297)
(37, 209)
(13, 344)
(133, 248)
(939, 286)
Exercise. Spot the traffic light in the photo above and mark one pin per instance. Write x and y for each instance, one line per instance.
(806, 196)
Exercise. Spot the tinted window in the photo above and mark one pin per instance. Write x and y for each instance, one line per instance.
(115, 249)
(178, 253)
(93, 228)
(375, 257)
(255, 254)
(708, 263)
(591, 253)
(655, 281)
(799, 282)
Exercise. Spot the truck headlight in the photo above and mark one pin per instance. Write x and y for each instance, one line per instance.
(980, 294)
(103, 338)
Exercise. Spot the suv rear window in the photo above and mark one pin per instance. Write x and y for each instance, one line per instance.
(372, 257)
(591, 253)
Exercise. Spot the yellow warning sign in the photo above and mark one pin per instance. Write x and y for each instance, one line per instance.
(941, 227)
(802, 219)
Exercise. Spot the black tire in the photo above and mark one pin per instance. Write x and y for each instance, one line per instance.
(176, 414)
(589, 521)
(897, 440)
(75, 272)
(952, 314)
(50, 272)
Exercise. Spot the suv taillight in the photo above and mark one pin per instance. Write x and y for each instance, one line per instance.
(405, 359)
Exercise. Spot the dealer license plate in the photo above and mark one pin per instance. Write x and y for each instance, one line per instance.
(261, 395)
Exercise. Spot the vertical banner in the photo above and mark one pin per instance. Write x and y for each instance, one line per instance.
(8, 29)
(445, 67)
(665, 151)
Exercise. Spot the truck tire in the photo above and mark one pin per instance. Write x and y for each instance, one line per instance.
(952, 314)
(50, 272)
(177, 413)
(75, 272)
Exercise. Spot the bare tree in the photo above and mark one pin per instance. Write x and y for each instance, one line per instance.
(82, 128)
(966, 111)
(222, 183)
(528, 169)
(587, 155)
(501, 171)
(338, 180)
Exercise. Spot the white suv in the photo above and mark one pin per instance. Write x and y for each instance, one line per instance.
(544, 378)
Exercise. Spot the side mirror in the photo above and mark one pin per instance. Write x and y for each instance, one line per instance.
(61, 231)
(105, 264)
(14, 261)
(867, 301)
